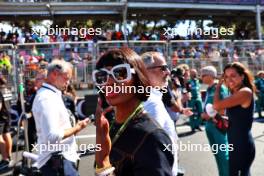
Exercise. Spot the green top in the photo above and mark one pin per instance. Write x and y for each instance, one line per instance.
(5, 63)
(210, 93)
(259, 82)
(195, 88)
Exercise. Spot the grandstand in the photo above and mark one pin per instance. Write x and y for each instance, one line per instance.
(83, 52)
(29, 52)
(122, 10)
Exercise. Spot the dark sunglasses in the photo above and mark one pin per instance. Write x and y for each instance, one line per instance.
(162, 67)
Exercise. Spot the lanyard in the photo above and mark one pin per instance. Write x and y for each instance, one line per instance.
(45, 87)
(125, 124)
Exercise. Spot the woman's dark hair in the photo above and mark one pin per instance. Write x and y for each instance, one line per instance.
(126, 55)
(242, 70)
(70, 89)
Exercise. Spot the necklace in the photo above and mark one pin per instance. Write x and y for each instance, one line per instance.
(125, 124)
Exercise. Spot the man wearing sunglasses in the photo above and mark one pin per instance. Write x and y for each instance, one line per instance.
(54, 129)
(158, 74)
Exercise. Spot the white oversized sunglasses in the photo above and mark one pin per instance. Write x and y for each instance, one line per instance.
(120, 73)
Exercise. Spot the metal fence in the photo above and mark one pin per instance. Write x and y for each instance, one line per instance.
(197, 54)
(83, 55)
(250, 53)
(80, 54)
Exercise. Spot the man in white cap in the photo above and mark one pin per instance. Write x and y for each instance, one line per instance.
(215, 137)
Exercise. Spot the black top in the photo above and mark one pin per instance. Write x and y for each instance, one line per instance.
(69, 103)
(140, 150)
(167, 98)
(240, 120)
(4, 114)
(239, 135)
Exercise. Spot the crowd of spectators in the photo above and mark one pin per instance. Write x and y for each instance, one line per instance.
(180, 51)
(27, 36)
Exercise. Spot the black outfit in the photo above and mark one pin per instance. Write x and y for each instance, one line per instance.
(140, 150)
(168, 98)
(32, 132)
(69, 103)
(239, 134)
(4, 116)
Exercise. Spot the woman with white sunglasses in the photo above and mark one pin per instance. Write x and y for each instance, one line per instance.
(132, 144)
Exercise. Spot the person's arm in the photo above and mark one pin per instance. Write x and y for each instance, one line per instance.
(1, 100)
(50, 123)
(77, 128)
(243, 96)
(177, 107)
(103, 139)
(256, 82)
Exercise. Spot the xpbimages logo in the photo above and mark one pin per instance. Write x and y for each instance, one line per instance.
(117, 89)
(192, 147)
(53, 147)
(213, 32)
(82, 32)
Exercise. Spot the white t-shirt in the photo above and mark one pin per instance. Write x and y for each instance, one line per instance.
(157, 111)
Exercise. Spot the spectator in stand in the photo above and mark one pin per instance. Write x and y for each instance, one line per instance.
(2, 34)
(5, 62)
(214, 55)
(174, 58)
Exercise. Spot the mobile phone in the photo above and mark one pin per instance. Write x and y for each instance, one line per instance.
(91, 117)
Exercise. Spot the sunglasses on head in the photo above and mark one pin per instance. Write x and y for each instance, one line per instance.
(162, 67)
(120, 73)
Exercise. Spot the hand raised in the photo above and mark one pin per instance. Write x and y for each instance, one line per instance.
(102, 136)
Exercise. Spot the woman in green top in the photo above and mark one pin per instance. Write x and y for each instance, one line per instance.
(215, 137)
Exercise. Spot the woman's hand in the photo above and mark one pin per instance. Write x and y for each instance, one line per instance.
(205, 116)
(102, 136)
(220, 82)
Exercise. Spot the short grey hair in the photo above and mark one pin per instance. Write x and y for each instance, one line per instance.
(149, 58)
(59, 65)
(209, 70)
